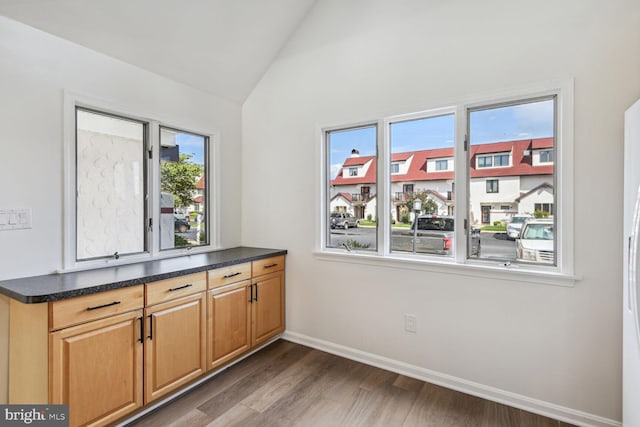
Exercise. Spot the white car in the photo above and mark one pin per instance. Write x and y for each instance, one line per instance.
(515, 225)
(536, 242)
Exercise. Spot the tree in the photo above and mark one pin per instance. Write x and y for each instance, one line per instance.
(180, 179)
(429, 206)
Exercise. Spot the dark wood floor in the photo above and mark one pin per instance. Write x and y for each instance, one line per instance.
(287, 384)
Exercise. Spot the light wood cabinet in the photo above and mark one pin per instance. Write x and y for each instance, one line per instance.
(229, 323)
(267, 307)
(246, 313)
(96, 368)
(175, 351)
(111, 353)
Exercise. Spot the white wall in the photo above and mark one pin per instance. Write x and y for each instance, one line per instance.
(356, 60)
(35, 68)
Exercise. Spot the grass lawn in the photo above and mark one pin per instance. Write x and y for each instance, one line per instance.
(494, 228)
(365, 223)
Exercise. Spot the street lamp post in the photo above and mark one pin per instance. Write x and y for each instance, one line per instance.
(417, 207)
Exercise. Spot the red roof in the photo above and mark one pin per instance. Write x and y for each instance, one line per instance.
(346, 196)
(541, 143)
(521, 164)
(398, 157)
(357, 161)
(369, 178)
(200, 184)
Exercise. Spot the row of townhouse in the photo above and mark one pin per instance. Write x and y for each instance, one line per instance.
(506, 178)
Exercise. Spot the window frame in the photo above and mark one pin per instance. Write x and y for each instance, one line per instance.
(561, 274)
(481, 161)
(548, 153)
(207, 168)
(145, 175)
(490, 187)
(73, 100)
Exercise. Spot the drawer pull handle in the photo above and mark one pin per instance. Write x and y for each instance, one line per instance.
(232, 275)
(180, 287)
(270, 265)
(103, 306)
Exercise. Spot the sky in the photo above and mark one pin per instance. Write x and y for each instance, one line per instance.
(506, 123)
(191, 144)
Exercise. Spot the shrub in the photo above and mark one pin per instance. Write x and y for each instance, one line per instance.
(497, 223)
(369, 217)
(405, 218)
(179, 241)
(355, 244)
(541, 214)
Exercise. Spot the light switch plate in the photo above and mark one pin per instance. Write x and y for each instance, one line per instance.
(15, 219)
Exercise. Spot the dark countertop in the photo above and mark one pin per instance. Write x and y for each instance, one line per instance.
(54, 287)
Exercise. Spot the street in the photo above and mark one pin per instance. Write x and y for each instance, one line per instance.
(493, 245)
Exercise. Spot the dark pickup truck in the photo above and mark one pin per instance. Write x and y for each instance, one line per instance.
(435, 235)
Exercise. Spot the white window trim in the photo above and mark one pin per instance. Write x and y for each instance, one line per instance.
(154, 120)
(493, 160)
(439, 161)
(547, 162)
(562, 274)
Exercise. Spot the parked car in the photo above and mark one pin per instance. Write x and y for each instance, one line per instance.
(180, 225)
(435, 235)
(343, 220)
(181, 216)
(536, 242)
(515, 225)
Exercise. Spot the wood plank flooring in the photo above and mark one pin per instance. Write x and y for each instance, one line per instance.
(287, 384)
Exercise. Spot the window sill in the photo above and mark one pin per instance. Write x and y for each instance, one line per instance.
(136, 258)
(488, 270)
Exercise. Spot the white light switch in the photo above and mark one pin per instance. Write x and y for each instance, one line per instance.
(15, 219)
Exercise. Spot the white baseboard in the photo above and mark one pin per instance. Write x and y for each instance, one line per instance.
(486, 392)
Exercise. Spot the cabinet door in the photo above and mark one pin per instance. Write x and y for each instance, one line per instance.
(267, 308)
(175, 351)
(96, 368)
(229, 320)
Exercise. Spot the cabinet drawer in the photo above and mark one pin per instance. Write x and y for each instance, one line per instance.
(268, 265)
(165, 290)
(232, 274)
(83, 309)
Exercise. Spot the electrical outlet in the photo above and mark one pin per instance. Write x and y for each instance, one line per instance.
(410, 322)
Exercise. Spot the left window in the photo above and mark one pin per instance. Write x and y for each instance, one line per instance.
(136, 189)
(111, 185)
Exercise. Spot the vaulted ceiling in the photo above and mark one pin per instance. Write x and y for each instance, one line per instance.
(220, 46)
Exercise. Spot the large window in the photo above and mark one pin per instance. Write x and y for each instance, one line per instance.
(421, 141)
(134, 188)
(500, 154)
(183, 188)
(346, 210)
(519, 128)
(110, 185)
